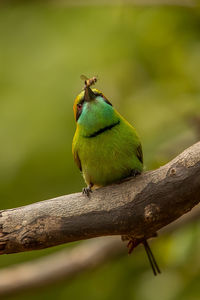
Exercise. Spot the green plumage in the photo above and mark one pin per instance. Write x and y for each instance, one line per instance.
(105, 146)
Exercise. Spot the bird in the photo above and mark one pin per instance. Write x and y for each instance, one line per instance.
(105, 147)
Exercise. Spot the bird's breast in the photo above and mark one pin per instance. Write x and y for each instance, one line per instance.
(108, 156)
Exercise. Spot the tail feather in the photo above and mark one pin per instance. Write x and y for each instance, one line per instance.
(151, 258)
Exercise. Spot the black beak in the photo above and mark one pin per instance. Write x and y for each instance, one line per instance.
(89, 95)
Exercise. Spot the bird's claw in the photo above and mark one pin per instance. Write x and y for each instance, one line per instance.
(86, 191)
(135, 173)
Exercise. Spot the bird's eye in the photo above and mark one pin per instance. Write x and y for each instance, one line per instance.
(79, 106)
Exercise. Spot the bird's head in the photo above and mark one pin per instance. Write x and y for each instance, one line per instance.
(92, 110)
(88, 99)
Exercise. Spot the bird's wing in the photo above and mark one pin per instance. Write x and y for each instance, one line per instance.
(139, 153)
(75, 151)
(75, 154)
(77, 159)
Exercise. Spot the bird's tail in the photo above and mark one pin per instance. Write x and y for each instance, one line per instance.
(151, 258)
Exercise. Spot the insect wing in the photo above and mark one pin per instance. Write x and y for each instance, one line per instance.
(83, 77)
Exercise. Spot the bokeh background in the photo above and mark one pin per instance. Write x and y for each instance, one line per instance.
(147, 58)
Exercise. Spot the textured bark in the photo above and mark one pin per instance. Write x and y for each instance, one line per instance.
(71, 262)
(138, 207)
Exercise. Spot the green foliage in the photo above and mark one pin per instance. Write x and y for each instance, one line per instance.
(148, 62)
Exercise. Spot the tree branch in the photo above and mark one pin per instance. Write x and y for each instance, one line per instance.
(139, 207)
(69, 263)
(63, 265)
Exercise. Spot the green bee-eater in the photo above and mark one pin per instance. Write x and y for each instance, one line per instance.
(105, 146)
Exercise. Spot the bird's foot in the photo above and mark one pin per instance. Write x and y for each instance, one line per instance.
(135, 173)
(87, 190)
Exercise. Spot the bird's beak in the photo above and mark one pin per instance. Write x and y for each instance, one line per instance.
(89, 95)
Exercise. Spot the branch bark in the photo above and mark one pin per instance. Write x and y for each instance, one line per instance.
(138, 207)
(66, 264)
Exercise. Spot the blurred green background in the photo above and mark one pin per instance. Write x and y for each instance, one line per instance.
(148, 63)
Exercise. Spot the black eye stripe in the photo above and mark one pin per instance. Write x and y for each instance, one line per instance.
(79, 111)
(81, 102)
